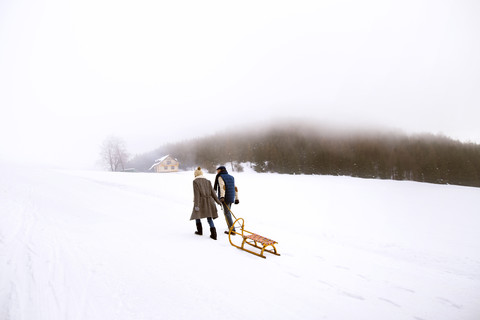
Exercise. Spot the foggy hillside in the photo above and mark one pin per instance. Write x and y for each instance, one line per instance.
(309, 149)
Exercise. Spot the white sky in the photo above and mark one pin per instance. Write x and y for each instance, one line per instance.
(73, 72)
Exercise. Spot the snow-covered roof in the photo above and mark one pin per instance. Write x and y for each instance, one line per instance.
(160, 160)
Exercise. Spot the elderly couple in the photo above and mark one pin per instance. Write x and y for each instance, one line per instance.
(204, 199)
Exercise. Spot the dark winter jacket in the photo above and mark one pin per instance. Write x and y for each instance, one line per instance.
(204, 199)
(229, 186)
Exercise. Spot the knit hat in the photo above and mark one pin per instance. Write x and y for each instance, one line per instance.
(198, 172)
(222, 168)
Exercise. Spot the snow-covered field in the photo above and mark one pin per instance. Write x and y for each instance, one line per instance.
(100, 245)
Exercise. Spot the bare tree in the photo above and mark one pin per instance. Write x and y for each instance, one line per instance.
(114, 153)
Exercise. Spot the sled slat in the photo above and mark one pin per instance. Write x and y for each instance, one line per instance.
(259, 238)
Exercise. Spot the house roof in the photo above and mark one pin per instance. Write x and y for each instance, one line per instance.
(160, 160)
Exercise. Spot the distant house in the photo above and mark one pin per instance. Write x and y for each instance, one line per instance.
(165, 164)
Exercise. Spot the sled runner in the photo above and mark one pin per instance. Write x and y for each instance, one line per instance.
(252, 239)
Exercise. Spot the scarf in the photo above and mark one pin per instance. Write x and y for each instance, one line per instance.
(216, 185)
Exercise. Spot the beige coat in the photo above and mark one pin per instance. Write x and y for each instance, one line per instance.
(204, 199)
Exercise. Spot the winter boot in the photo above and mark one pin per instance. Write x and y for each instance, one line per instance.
(213, 233)
(228, 232)
(199, 228)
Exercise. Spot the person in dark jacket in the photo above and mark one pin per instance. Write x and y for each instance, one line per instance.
(227, 193)
(204, 199)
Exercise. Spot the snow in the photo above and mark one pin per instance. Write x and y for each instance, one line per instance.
(101, 245)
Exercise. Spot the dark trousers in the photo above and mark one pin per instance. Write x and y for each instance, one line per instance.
(228, 215)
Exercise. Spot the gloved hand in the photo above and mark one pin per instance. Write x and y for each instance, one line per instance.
(222, 199)
(237, 201)
(197, 209)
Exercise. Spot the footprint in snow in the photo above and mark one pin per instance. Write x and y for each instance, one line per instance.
(325, 283)
(404, 289)
(390, 302)
(352, 295)
(342, 267)
(363, 277)
(448, 302)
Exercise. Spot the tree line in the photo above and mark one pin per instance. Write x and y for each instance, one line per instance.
(307, 150)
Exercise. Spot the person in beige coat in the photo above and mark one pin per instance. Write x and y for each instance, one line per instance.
(204, 199)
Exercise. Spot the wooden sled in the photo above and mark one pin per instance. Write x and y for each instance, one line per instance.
(251, 239)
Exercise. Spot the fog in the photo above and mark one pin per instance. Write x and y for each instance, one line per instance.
(152, 72)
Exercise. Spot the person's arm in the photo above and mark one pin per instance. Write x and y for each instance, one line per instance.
(236, 196)
(196, 195)
(221, 183)
(214, 196)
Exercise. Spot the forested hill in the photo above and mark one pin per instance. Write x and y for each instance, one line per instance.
(308, 150)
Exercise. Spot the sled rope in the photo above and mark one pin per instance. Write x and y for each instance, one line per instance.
(236, 220)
